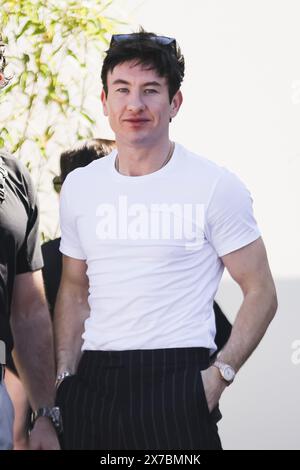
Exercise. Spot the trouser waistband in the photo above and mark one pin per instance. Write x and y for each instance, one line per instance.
(158, 358)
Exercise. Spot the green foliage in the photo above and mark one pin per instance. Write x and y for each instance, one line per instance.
(52, 42)
(55, 49)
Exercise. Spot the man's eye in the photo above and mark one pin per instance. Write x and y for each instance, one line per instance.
(122, 90)
(150, 91)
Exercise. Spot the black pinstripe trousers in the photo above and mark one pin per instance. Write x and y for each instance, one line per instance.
(141, 399)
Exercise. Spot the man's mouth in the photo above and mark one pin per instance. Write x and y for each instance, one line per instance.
(136, 121)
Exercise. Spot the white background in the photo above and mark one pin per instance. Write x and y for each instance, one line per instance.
(241, 100)
(242, 109)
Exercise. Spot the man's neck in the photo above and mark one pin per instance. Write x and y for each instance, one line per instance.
(142, 160)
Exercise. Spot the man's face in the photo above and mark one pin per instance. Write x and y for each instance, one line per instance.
(138, 105)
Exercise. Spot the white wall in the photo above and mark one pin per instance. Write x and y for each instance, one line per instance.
(242, 100)
(242, 109)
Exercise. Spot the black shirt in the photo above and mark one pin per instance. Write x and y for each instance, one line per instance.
(223, 327)
(52, 270)
(19, 241)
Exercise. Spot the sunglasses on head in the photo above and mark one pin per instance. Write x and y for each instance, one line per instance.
(164, 40)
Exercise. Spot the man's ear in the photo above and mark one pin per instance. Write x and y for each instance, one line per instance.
(104, 103)
(176, 103)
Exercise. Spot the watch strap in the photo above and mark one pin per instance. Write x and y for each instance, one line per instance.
(51, 413)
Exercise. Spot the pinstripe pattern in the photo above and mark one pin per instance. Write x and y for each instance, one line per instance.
(102, 408)
(142, 403)
(155, 429)
(163, 390)
(174, 401)
(146, 399)
(112, 428)
(130, 422)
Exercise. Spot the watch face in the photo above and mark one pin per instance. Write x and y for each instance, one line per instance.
(228, 373)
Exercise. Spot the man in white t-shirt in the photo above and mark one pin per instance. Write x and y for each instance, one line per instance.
(146, 233)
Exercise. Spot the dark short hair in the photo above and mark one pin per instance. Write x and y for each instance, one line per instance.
(142, 48)
(83, 154)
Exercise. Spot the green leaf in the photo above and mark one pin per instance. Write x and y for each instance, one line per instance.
(44, 69)
(87, 117)
(26, 58)
(72, 54)
(4, 131)
(39, 29)
(25, 27)
(23, 80)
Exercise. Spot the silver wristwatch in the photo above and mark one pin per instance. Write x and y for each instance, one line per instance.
(227, 372)
(52, 413)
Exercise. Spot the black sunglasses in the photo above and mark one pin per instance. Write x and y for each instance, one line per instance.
(57, 182)
(164, 40)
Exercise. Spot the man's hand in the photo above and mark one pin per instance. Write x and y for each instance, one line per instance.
(213, 385)
(43, 436)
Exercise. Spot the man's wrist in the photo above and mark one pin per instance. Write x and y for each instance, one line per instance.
(51, 413)
(227, 358)
(226, 372)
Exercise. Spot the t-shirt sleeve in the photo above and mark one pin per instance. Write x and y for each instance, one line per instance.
(230, 223)
(70, 243)
(29, 257)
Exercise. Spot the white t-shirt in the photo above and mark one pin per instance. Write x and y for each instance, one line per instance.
(152, 245)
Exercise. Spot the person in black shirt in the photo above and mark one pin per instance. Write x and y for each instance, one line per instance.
(69, 160)
(25, 325)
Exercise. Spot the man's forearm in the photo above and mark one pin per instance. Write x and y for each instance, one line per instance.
(254, 316)
(70, 314)
(34, 352)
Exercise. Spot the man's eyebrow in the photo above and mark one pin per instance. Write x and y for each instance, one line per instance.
(120, 81)
(154, 83)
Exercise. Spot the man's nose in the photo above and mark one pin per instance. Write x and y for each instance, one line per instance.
(135, 103)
